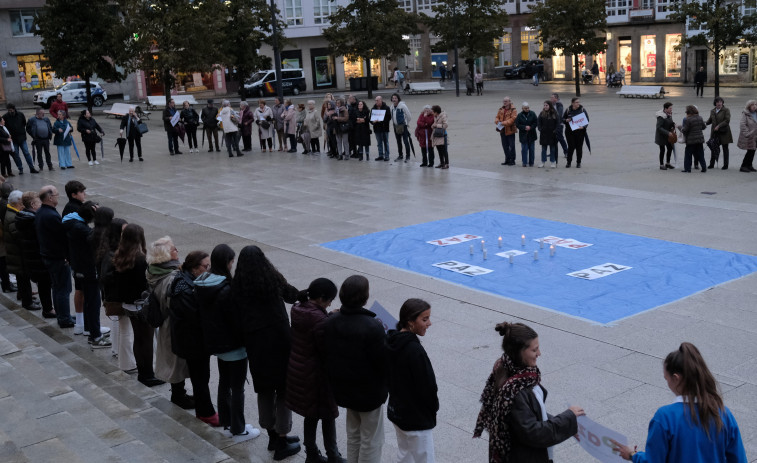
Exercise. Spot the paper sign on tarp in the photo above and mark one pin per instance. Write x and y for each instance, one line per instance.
(175, 118)
(578, 121)
(454, 239)
(377, 115)
(595, 439)
(383, 316)
(463, 268)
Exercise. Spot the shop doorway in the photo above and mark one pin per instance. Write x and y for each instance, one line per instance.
(624, 54)
(700, 60)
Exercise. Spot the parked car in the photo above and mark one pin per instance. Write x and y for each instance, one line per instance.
(525, 69)
(263, 83)
(74, 92)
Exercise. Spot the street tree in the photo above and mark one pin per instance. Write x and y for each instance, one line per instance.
(357, 33)
(574, 26)
(715, 25)
(471, 26)
(81, 38)
(172, 36)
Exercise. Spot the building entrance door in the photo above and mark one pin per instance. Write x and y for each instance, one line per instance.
(700, 60)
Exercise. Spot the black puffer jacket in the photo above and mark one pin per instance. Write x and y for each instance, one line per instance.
(13, 243)
(29, 243)
(80, 254)
(187, 338)
(221, 327)
(90, 124)
(664, 126)
(693, 129)
(354, 355)
(413, 400)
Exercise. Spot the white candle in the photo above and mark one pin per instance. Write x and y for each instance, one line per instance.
(471, 249)
(522, 240)
(482, 245)
(484, 254)
(536, 255)
(552, 250)
(511, 258)
(541, 244)
(499, 242)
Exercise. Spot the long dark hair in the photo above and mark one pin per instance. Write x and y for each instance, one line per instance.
(320, 288)
(410, 310)
(220, 257)
(110, 239)
(256, 278)
(515, 338)
(103, 217)
(131, 246)
(698, 386)
(549, 113)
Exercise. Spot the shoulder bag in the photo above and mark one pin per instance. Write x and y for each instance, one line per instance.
(672, 136)
(142, 127)
(438, 132)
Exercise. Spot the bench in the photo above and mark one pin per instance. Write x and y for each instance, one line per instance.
(642, 91)
(425, 87)
(118, 110)
(153, 102)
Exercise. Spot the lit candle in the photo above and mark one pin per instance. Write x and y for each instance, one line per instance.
(541, 244)
(482, 245)
(522, 240)
(511, 258)
(536, 255)
(552, 250)
(471, 249)
(484, 254)
(499, 242)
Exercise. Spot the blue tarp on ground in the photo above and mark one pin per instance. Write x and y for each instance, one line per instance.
(662, 271)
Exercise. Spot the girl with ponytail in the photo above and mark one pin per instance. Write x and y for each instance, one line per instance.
(512, 404)
(697, 428)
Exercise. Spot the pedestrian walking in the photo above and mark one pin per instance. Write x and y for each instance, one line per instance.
(720, 119)
(88, 127)
(662, 135)
(692, 128)
(442, 72)
(479, 81)
(575, 137)
(505, 124)
(547, 125)
(527, 123)
(748, 135)
(700, 78)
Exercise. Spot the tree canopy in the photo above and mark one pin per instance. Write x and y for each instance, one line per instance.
(370, 29)
(573, 26)
(715, 24)
(80, 38)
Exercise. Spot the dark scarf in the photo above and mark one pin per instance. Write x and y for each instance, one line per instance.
(496, 403)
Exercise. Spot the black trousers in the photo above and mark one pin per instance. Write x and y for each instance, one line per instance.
(191, 135)
(90, 149)
(429, 161)
(5, 163)
(669, 147)
(328, 428)
(443, 154)
(44, 288)
(135, 141)
(43, 145)
(212, 134)
(143, 347)
(231, 378)
(696, 151)
(700, 88)
(199, 374)
(92, 304)
(748, 159)
(575, 140)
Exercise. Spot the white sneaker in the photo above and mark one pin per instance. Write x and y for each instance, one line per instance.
(79, 329)
(103, 330)
(91, 163)
(250, 432)
(554, 165)
(541, 164)
(97, 162)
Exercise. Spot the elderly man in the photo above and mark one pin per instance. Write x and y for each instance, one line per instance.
(505, 123)
(41, 130)
(381, 128)
(33, 264)
(15, 122)
(15, 254)
(53, 247)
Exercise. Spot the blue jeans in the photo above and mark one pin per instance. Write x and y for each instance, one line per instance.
(552, 152)
(527, 153)
(173, 142)
(25, 149)
(60, 277)
(508, 145)
(64, 156)
(382, 140)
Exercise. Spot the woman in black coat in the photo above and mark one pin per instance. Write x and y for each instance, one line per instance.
(575, 138)
(664, 127)
(512, 404)
(363, 131)
(693, 129)
(88, 127)
(547, 125)
(191, 120)
(259, 292)
(130, 125)
(33, 262)
(6, 149)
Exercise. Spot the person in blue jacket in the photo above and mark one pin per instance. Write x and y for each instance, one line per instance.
(697, 427)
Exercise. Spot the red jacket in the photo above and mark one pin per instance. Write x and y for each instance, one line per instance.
(58, 106)
(423, 129)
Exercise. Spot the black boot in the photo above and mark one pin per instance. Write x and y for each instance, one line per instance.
(725, 161)
(314, 456)
(285, 448)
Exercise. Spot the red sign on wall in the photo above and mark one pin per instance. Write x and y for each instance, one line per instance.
(651, 60)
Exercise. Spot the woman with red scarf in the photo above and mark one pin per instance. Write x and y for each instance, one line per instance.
(512, 404)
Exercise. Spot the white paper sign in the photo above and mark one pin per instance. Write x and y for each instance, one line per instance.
(454, 240)
(599, 271)
(511, 252)
(67, 131)
(175, 118)
(383, 316)
(578, 121)
(595, 439)
(569, 243)
(462, 267)
(377, 115)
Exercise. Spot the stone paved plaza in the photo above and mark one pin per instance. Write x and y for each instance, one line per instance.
(289, 204)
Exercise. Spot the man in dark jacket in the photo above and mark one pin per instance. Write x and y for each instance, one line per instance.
(83, 264)
(14, 251)
(210, 125)
(76, 193)
(53, 247)
(41, 130)
(30, 247)
(560, 124)
(15, 122)
(699, 79)
(382, 130)
(170, 128)
(354, 355)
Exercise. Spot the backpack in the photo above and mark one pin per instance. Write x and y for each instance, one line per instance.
(400, 75)
(148, 309)
(399, 115)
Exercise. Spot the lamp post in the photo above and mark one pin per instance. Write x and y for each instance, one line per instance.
(276, 53)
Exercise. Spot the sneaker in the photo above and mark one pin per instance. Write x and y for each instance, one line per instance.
(99, 343)
(97, 163)
(79, 329)
(541, 164)
(91, 163)
(553, 165)
(250, 432)
(103, 330)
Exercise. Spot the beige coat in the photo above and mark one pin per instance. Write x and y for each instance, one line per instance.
(440, 122)
(265, 114)
(313, 122)
(168, 367)
(747, 131)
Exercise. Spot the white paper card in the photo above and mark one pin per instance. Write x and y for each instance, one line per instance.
(595, 439)
(454, 240)
(462, 267)
(377, 115)
(383, 316)
(578, 121)
(67, 131)
(569, 243)
(599, 271)
(175, 118)
(511, 252)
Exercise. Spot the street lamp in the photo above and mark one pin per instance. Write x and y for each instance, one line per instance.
(276, 53)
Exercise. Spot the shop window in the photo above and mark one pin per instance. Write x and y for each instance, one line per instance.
(291, 59)
(648, 56)
(357, 69)
(34, 73)
(22, 22)
(293, 12)
(406, 5)
(729, 61)
(322, 9)
(672, 56)
(624, 54)
(324, 69)
(558, 65)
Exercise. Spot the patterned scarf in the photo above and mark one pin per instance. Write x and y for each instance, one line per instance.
(496, 403)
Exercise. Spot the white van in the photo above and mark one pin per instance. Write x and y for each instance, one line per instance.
(263, 83)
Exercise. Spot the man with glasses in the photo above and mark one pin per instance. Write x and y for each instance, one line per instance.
(381, 128)
(505, 124)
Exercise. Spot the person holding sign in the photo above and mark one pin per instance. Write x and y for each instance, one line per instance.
(697, 427)
(576, 119)
(171, 117)
(413, 400)
(512, 403)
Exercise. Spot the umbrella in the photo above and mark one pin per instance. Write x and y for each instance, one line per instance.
(121, 143)
(76, 150)
(203, 137)
(412, 145)
(588, 143)
(102, 148)
(714, 145)
(181, 131)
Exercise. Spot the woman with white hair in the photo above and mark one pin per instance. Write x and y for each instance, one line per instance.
(162, 267)
(247, 118)
(266, 126)
(313, 123)
(230, 124)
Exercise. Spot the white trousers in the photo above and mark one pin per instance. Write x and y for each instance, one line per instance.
(365, 435)
(125, 341)
(415, 446)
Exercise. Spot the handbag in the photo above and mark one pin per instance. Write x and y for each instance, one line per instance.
(438, 132)
(265, 125)
(344, 127)
(672, 136)
(114, 309)
(142, 127)
(680, 136)
(6, 146)
(399, 129)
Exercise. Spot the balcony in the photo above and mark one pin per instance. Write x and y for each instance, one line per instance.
(641, 15)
